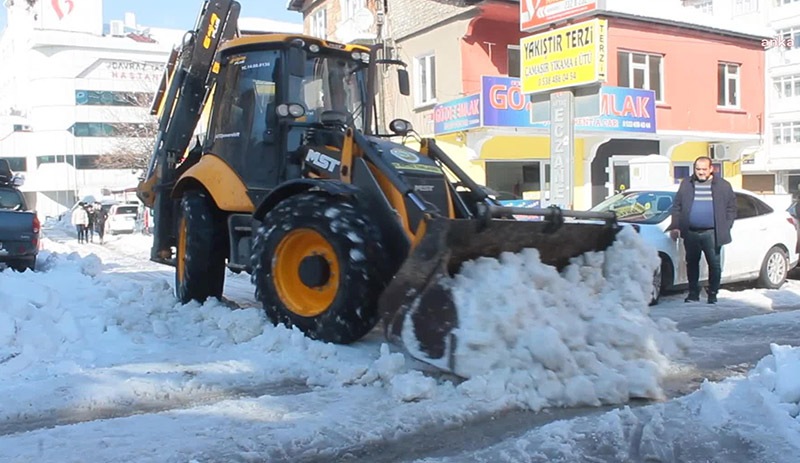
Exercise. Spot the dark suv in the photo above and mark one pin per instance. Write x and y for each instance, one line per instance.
(19, 227)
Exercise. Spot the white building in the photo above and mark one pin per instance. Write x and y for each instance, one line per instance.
(776, 166)
(70, 86)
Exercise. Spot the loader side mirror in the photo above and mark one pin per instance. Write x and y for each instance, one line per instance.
(403, 82)
(400, 127)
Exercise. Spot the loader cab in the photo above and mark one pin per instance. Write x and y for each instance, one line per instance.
(258, 79)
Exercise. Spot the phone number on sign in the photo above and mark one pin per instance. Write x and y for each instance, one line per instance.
(556, 79)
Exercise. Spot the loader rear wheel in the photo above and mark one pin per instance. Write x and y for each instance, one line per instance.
(200, 263)
(319, 265)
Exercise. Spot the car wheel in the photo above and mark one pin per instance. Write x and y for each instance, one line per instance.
(774, 269)
(662, 279)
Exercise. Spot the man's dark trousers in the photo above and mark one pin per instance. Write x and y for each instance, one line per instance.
(697, 241)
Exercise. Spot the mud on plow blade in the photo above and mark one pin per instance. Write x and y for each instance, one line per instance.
(418, 309)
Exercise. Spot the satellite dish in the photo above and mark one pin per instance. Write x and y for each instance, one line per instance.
(363, 19)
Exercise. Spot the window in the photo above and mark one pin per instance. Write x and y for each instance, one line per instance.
(513, 61)
(425, 67)
(681, 171)
(17, 164)
(319, 24)
(790, 37)
(351, 6)
(108, 129)
(515, 180)
(787, 86)
(728, 85)
(11, 199)
(783, 2)
(22, 128)
(706, 6)
(103, 98)
(641, 70)
(744, 7)
(784, 133)
(746, 207)
(80, 161)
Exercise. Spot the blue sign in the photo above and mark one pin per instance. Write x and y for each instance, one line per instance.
(455, 115)
(622, 109)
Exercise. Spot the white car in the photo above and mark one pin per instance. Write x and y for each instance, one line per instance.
(122, 218)
(763, 250)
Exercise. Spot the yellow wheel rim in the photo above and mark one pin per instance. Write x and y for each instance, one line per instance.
(181, 251)
(296, 249)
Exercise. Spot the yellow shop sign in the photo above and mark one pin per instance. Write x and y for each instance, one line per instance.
(566, 57)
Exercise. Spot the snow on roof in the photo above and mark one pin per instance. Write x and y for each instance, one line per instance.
(268, 25)
(671, 11)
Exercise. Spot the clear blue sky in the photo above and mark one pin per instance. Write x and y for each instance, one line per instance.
(181, 14)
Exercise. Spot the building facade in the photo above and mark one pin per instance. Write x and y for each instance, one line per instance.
(705, 79)
(775, 167)
(81, 90)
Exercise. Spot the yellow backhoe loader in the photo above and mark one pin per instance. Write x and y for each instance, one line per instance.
(338, 225)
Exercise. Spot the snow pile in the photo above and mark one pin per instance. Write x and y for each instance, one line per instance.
(582, 337)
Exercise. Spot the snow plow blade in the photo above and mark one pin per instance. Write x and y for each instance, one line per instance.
(418, 310)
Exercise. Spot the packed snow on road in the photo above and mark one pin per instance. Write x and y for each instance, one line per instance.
(98, 362)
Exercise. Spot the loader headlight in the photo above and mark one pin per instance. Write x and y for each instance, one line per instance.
(314, 48)
(400, 126)
(294, 110)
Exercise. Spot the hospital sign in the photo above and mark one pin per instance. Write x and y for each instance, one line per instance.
(570, 56)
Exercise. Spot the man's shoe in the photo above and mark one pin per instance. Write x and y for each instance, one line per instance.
(712, 298)
(692, 298)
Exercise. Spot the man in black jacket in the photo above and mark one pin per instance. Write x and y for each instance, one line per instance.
(702, 214)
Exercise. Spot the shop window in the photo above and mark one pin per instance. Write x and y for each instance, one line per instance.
(515, 180)
(728, 85)
(681, 171)
(641, 70)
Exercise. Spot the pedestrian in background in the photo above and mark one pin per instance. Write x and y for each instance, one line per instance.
(702, 214)
(90, 226)
(80, 219)
(100, 217)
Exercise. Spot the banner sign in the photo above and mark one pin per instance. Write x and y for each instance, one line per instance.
(538, 13)
(456, 115)
(622, 109)
(566, 57)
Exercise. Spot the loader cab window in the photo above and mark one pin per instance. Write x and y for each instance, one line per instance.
(243, 126)
(333, 81)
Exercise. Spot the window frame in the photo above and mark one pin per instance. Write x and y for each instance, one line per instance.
(513, 50)
(792, 128)
(318, 24)
(742, 7)
(793, 80)
(726, 76)
(645, 67)
(788, 34)
(425, 87)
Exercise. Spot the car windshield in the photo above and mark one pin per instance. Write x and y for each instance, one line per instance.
(646, 207)
(10, 199)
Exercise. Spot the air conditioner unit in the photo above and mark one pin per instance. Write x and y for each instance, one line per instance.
(117, 28)
(719, 151)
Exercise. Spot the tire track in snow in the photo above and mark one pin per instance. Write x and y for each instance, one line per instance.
(67, 416)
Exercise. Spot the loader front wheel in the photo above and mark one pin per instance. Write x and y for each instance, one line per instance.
(319, 265)
(200, 260)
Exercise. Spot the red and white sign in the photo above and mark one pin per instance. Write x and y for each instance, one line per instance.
(534, 14)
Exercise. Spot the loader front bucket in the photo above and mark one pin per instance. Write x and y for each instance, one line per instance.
(418, 310)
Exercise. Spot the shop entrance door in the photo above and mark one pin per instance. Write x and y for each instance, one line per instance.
(619, 174)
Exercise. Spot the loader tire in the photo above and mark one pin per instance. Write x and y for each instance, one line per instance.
(200, 263)
(319, 265)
